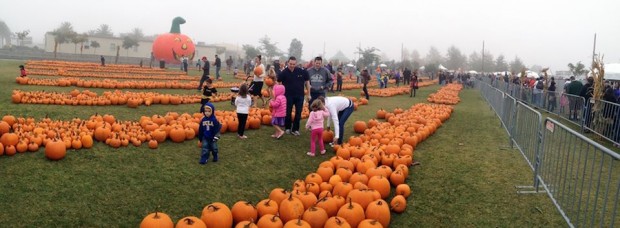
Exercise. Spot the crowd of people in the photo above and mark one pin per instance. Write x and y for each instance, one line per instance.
(287, 94)
(574, 98)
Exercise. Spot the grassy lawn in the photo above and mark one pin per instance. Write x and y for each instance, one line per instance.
(466, 179)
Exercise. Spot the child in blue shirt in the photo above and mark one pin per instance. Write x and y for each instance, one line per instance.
(208, 133)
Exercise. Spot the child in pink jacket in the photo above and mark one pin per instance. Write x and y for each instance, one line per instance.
(278, 110)
(315, 123)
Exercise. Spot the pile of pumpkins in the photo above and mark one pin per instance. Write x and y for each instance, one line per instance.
(448, 94)
(131, 99)
(351, 189)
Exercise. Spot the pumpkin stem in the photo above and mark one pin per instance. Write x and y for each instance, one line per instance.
(176, 25)
(189, 221)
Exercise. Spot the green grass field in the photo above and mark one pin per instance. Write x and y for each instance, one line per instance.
(466, 177)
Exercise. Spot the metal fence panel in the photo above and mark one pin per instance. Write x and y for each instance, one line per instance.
(581, 176)
(605, 121)
(526, 132)
(508, 112)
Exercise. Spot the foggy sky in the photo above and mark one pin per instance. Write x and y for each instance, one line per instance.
(547, 33)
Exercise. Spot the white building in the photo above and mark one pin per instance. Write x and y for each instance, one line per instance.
(108, 46)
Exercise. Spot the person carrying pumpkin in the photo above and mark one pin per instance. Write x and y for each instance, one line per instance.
(315, 124)
(208, 133)
(278, 113)
(340, 108)
(257, 83)
(270, 81)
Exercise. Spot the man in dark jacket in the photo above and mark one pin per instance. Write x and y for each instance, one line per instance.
(574, 88)
(586, 92)
(406, 76)
(205, 72)
(218, 66)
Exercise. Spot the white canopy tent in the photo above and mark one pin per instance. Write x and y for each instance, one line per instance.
(612, 71)
(441, 67)
(529, 74)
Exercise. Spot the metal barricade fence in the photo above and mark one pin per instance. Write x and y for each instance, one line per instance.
(496, 99)
(526, 132)
(570, 107)
(581, 177)
(605, 121)
(508, 112)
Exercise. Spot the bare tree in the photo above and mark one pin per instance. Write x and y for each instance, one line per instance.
(21, 36)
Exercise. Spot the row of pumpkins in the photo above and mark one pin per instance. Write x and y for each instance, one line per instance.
(131, 99)
(117, 97)
(351, 189)
(446, 95)
(18, 135)
(53, 68)
(394, 91)
(118, 84)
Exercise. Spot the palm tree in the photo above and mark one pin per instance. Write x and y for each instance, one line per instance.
(104, 30)
(5, 33)
(63, 34)
(79, 39)
(129, 42)
(95, 45)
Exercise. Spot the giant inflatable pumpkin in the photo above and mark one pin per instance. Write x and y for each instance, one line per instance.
(171, 47)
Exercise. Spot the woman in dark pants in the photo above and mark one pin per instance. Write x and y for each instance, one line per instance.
(365, 80)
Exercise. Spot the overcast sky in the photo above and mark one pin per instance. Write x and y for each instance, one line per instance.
(548, 33)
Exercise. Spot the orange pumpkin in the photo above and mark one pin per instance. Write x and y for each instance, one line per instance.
(379, 210)
(359, 127)
(55, 150)
(157, 219)
(352, 212)
(217, 215)
(244, 211)
(270, 221)
(291, 208)
(266, 206)
(398, 204)
(337, 222)
(403, 189)
(315, 216)
(258, 71)
(190, 222)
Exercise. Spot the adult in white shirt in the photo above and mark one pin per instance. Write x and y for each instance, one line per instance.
(340, 108)
(257, 82)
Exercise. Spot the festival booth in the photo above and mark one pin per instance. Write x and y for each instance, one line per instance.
(612, 71)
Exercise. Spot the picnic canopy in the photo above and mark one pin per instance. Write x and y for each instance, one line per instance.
(612, 71)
